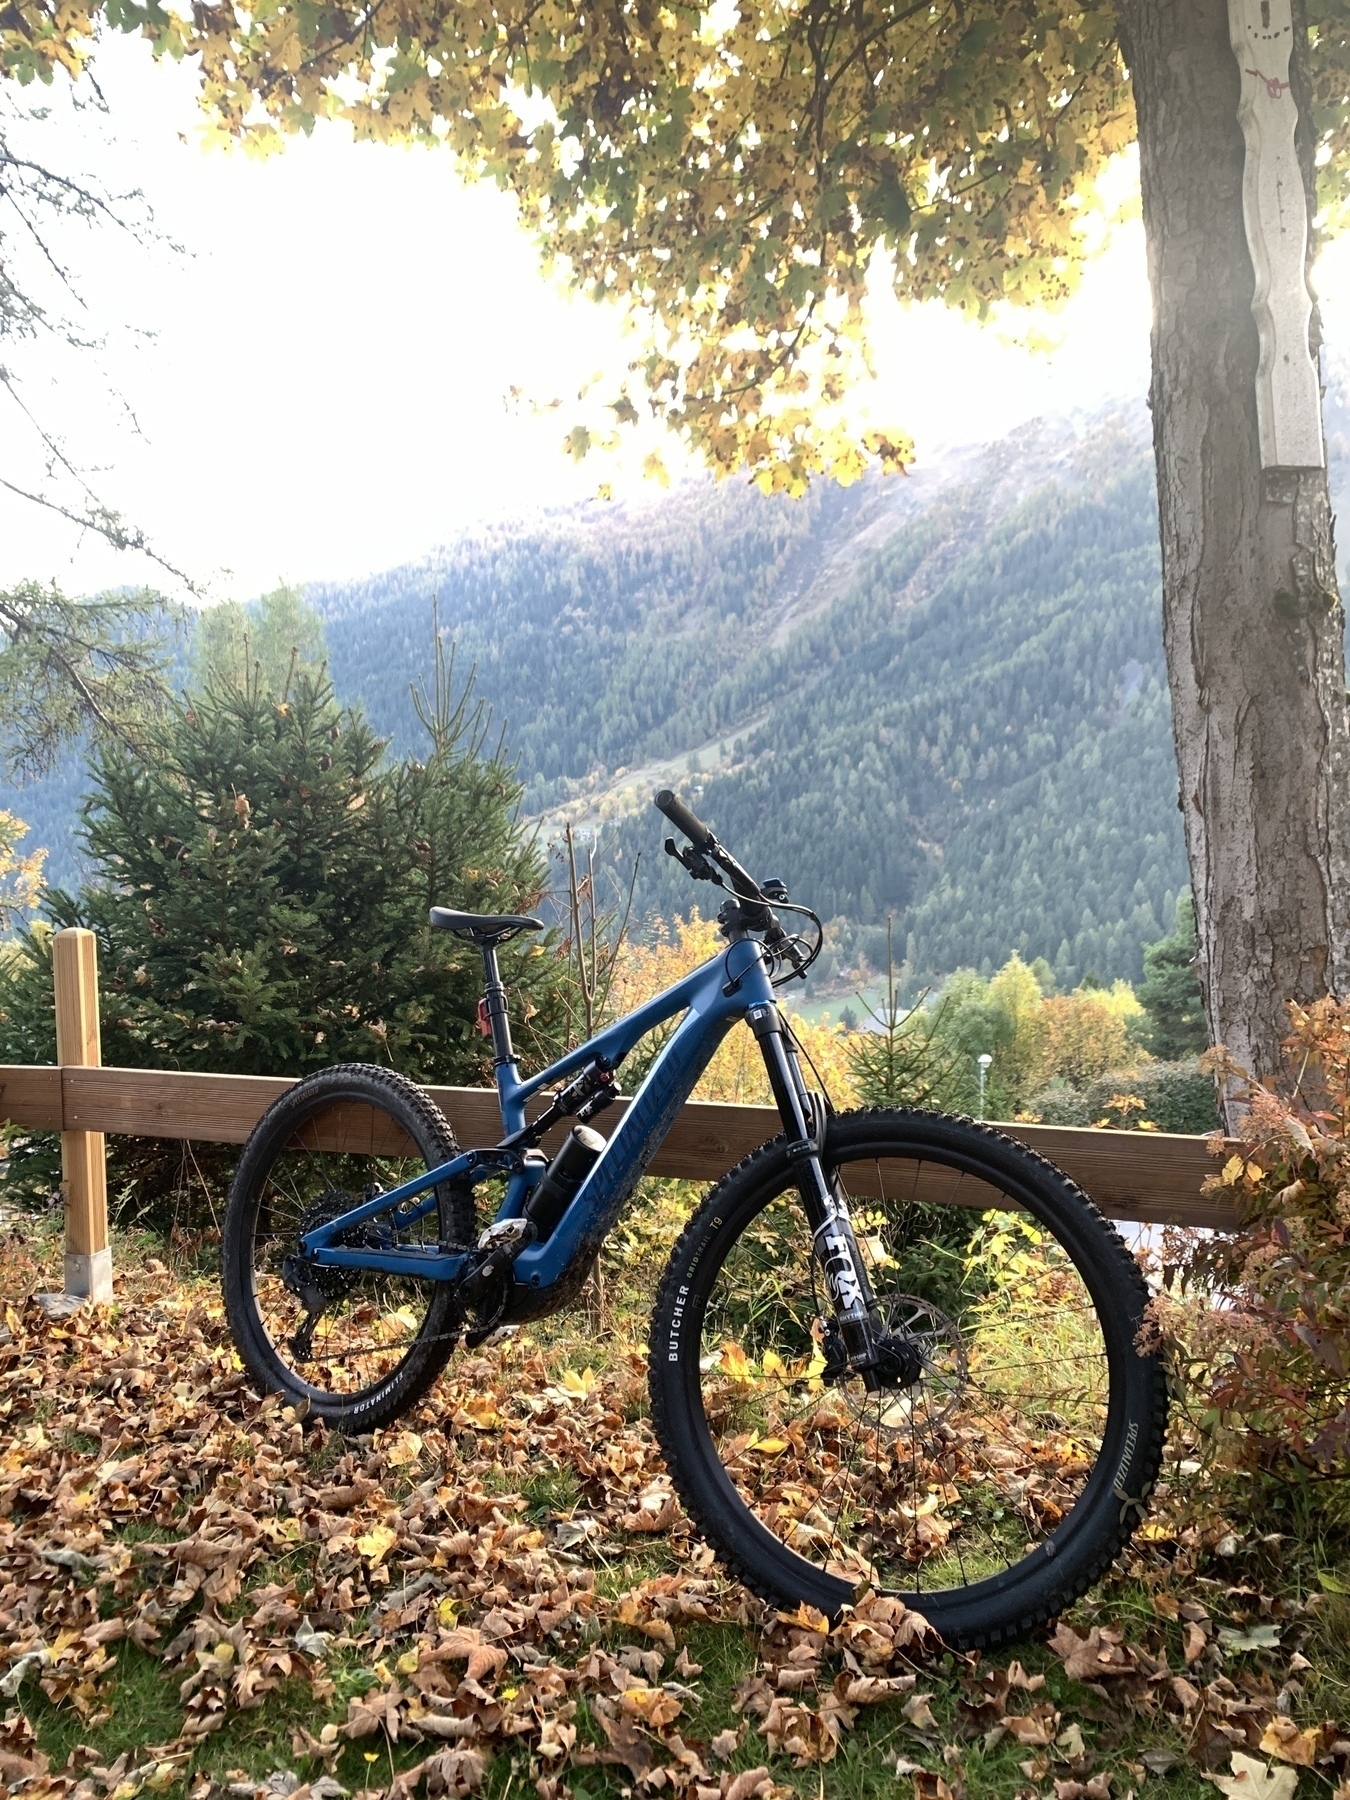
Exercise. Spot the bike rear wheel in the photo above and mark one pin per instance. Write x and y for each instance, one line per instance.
(380, 1339)
(999, 1470)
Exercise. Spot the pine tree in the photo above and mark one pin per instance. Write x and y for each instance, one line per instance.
(1170, 991)
(262, 909)
(901, 1059)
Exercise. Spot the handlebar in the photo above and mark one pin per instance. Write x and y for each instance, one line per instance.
(756, 911)
(683, 819)
(743, 883)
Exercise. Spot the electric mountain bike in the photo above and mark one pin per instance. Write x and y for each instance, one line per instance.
(891, 1349)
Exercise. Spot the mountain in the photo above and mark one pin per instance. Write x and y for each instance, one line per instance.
(941, 698)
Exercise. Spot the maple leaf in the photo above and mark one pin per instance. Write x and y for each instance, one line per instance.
(1252, 1780)
(1092, 1658)
(1283, 1739)
(376, 1543)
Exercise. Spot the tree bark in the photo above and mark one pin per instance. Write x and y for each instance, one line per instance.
(1252, 619)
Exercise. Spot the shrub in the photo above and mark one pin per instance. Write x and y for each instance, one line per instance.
(1158, 1096)
(1259, 1319)
(1059, 1103)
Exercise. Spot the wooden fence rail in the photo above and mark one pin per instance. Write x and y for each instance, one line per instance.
(1140, 1175)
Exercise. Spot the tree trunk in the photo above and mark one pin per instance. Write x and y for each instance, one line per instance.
(1252, 619)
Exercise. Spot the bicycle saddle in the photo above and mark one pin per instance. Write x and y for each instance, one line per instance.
(483, 928)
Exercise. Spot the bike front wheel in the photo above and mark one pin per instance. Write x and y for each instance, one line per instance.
(356, 1347)
(1001, 1465)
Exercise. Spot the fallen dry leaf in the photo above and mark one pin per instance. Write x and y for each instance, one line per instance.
(1253, 1780)
(1283, 1739)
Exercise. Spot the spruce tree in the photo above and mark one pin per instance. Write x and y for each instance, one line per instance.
(264, 876)
(900, 1057)
(1170, 991)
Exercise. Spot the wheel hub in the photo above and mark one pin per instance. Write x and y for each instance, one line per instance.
(921, 1364)
(899, 1361)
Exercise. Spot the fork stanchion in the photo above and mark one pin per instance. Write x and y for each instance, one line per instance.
(84, 1176)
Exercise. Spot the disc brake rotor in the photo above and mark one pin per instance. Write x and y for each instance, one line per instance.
(924, 1370)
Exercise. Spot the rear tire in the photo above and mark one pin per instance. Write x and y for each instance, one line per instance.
(1003, 1480)
(381, 1339)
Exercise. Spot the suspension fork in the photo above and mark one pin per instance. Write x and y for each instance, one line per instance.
(836, 1246)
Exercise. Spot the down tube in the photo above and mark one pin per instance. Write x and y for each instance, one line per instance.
(549, 1275)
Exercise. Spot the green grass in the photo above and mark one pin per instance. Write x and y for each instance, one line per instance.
(143, 1706)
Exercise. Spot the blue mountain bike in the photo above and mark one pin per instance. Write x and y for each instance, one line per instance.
(891, 1349)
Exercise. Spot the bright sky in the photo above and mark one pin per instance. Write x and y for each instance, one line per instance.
(320, 379)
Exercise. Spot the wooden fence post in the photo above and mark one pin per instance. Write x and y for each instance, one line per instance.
(84, 1175)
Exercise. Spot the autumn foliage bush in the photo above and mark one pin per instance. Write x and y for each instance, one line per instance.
(1258, 1320)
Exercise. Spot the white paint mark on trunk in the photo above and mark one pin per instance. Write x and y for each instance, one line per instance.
(1288, 400)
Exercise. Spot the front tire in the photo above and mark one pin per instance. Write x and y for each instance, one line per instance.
(381, 1339)
(1003, 1480)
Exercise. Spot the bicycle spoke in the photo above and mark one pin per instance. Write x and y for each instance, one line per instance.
(370, 1319)
(925, 1487)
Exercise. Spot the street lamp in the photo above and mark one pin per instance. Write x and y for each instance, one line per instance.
(984, 1062)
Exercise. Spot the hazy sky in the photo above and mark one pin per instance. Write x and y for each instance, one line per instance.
(319, 377)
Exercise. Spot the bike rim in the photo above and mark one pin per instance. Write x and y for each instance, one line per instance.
(949, 1481)
(338, 1155)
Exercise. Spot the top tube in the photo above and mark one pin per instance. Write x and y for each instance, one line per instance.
(699, 992)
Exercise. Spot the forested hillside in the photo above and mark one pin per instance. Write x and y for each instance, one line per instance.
(990, 761)
(941, 697)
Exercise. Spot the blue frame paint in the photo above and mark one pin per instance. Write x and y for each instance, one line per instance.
(712, 999)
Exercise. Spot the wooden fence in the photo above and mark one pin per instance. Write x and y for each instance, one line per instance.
(1139, 1175)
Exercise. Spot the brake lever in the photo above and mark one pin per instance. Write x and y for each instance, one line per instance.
(694, 861)
(779, 941)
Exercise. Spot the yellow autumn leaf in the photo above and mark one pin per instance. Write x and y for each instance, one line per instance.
(769, 1446)
(377, 1543)
(579, 1384)
(736, 1363)
(407, 1663)
(1283, 1739)
(480, 1411)
(1231, 1171)
(406, 1448)
(806, 1618)
(1255, 1172)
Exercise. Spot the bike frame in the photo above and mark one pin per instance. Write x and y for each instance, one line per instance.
(734, 983)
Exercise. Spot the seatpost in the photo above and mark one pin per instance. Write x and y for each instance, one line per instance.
(494, 999)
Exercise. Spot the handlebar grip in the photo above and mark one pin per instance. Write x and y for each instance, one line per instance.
(683, 820)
